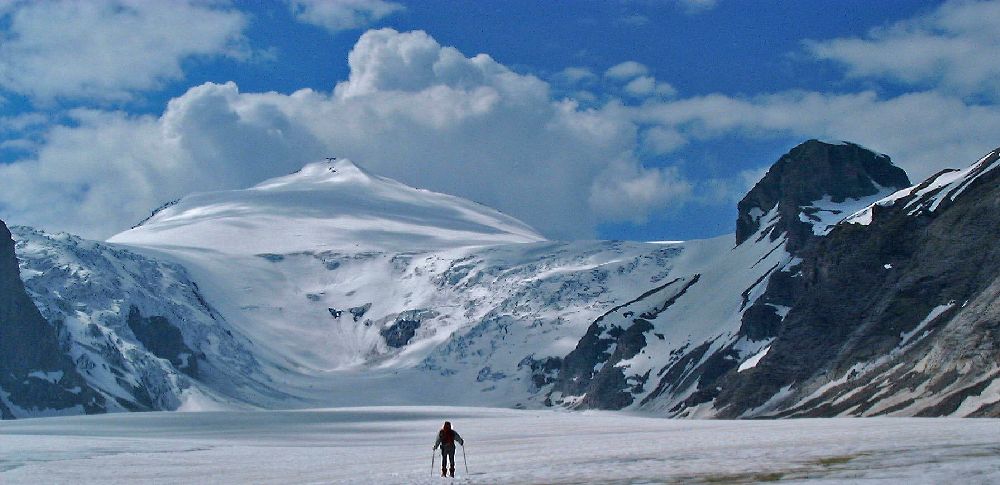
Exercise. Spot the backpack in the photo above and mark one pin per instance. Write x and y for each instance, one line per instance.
(447, 437)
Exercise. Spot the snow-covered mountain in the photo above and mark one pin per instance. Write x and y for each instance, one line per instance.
(326, 206)
(336, 275)
(842, 292)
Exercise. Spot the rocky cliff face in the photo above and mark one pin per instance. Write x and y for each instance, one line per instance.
(36, 375)
(895, 312)
(812, 183)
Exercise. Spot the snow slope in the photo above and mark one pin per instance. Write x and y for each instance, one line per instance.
(393, 445)
(339, 277)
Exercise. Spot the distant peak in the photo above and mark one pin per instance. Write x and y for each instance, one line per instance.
(344, 166)
(330, 170)
(327, 205)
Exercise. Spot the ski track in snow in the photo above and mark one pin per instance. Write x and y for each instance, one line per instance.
(393, 445)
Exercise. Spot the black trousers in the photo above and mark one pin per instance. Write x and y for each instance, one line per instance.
(447, 454)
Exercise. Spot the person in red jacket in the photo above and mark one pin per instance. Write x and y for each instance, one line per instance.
(446, 440)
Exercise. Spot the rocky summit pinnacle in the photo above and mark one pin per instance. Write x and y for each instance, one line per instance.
(815, 171)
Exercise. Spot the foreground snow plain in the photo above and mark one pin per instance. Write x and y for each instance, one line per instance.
(393, 445)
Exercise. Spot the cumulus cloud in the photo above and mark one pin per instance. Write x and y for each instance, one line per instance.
(338, 15)
(661, 140)
(103, 172)
(109, 49)
(954, 48)
(410, 109)
(626, 70)
(641, 86)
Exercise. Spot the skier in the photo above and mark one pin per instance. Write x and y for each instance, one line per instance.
(446, 440)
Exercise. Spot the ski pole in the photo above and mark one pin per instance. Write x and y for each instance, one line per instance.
(465, 460)
(433, 452)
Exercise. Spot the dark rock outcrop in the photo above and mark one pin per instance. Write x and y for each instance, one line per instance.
(591, 370)
(403, 328)
(164, 340)
(399, 333)
(807, 173)
(37, 377)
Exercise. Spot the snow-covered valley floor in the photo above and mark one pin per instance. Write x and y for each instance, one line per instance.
(393, 445)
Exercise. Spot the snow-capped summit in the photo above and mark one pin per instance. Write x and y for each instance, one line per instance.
(329, 205)
(330, 171)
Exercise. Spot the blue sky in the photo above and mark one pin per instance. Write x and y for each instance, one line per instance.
(613, 119)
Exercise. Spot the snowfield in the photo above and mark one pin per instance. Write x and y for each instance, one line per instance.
(393, 445)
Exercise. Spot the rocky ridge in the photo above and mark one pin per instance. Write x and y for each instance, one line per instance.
(889, 310)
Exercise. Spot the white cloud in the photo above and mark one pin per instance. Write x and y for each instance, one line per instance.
(388, 61)
(338, 15)
(924, 132)
(665, 89)
(18, 123)
(429, 116)
(626, 70)
(21, 144)
(956, 48)
(109, 169)
(109, 49)
(575, 75)
(410, 109)
(626, 191)
(643, 86)
(661, 140)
